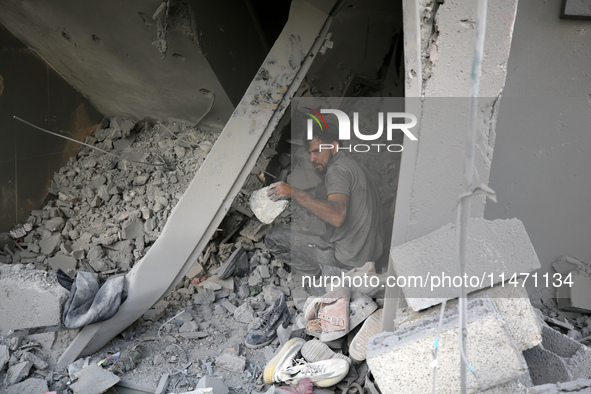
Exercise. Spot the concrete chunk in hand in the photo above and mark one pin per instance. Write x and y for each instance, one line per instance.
(265, 209)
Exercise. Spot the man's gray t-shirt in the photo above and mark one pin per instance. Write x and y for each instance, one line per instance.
(360, 238)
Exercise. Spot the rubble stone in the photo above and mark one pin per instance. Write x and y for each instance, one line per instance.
(32, 385)
(195, 270)
(189, 326)
(153, 314)
(50, 244)
(18, 372)
(37, 361)
(133, 229)
(94, 379)
(244, 313)
(66, 263)
(231, 362)
(55, 224)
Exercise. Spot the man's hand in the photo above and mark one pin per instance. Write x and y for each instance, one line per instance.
(279, 191)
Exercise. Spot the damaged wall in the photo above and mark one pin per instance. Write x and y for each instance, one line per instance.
(145, 59)
(541, 164)
(30, 89)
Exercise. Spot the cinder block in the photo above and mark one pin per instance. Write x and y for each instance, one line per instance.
(545, 366)
(29, 299)
(560, 344)
(408, 351)
(494, 248)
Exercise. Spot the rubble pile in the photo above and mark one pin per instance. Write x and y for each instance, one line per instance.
(104, 212)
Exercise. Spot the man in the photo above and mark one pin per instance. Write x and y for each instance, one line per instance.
(351, 207)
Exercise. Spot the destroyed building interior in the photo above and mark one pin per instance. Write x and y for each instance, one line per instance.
(138, 142)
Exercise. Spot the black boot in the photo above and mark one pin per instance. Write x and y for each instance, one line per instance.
(262, 335)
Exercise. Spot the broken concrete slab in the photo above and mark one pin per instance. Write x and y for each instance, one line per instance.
(230, 361)
(32, 385)
(55, 224)
(265, 209)
(50, 244)
(133, 229)
(66, 263)
(18, 372)
(575, 296)
(513, 305)
(39, 291)
(495, 249)
(94, 379)
(154, 314)
(255, 230)
(408, 351)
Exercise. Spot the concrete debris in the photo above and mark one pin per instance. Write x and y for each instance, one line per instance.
(575, 296)
(575, 386)
(4, 356)
(230, 361)
(412, 345)
(195, 270)
(18, 372)
(265, 209)
(40, 292)
(494, 248)
(218, 387)
(32, 385)
(94, 379)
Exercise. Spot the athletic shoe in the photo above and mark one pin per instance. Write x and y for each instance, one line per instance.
(236, 265)
(315, 350)
(274, 316)
(323, 373)
(282, 359)
(372, 326)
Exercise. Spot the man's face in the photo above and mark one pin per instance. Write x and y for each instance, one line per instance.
(320, 158)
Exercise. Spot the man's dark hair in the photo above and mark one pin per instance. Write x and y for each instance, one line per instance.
(325, 136)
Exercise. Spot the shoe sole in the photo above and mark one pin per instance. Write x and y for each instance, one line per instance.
(316, 350)
(371, 327)
(333, 381)
(290, 349)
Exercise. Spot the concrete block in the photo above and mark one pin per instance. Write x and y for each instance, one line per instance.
(576, 296)
(30, 299)
(494, 247)
(545, 366)
(408, 352)
(513, 306)
(560, 344)
(265, 209)
(31, 385)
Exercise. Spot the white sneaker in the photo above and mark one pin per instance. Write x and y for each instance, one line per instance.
(323, 373)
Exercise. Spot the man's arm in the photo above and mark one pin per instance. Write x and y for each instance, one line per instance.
(332, 211)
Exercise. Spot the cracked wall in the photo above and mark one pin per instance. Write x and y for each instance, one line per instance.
(447, 38)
